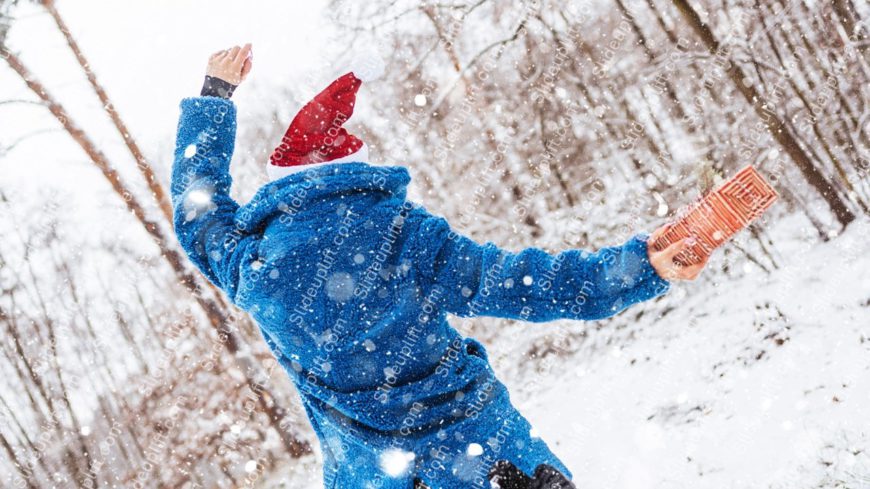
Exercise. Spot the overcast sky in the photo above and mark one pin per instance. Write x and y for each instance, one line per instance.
(148, 55)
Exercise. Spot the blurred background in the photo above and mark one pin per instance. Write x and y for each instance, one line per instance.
(556, 124)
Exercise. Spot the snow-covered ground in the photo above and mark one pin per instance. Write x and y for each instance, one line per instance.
(757, 382)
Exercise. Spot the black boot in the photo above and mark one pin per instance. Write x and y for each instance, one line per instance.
(549, 477)
(506, 475)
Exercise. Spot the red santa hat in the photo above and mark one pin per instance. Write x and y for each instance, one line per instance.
(316, 135)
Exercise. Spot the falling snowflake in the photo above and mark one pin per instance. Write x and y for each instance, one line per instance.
(474, 450)
(340, 286)
(199, 197)
(396, 462)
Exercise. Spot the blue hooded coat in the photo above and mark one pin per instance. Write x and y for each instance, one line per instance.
(351, 284)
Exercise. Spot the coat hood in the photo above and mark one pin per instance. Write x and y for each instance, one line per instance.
(305, 190)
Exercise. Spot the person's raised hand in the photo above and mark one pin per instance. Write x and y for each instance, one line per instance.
(231, 65)
(663, 260)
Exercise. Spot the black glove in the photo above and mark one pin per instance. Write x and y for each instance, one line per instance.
(215, 87)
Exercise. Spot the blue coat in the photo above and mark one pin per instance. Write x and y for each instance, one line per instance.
(351, 284)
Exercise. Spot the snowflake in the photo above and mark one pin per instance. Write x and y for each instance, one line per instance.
(474, 450)
(199, 197)
(396, 462)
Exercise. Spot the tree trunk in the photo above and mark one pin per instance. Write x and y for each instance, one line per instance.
(854, 27)
(216, 315)
(776, 127)
(141, 163)
(821, 137)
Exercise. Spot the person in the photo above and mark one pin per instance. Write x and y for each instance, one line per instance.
(351, 283)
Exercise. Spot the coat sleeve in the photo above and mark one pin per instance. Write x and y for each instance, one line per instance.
(204, 213)
(470, 279)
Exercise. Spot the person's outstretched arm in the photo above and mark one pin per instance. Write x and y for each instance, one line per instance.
(470, 279)
(204, 213)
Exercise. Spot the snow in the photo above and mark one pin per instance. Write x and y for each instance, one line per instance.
(474, 449)
(199, 197)
(396, 462)
(705, 397)
(739, 380)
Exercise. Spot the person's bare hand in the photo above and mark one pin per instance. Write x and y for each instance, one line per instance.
(663, 261)
(231, 65)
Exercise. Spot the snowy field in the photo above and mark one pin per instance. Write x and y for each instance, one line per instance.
(730, 388)
(712, 386)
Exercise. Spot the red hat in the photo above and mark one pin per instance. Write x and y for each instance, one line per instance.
(316, 135)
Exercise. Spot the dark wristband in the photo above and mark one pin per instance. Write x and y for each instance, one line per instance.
(215, 87)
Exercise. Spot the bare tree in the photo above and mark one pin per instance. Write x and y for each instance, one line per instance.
(778, 129)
